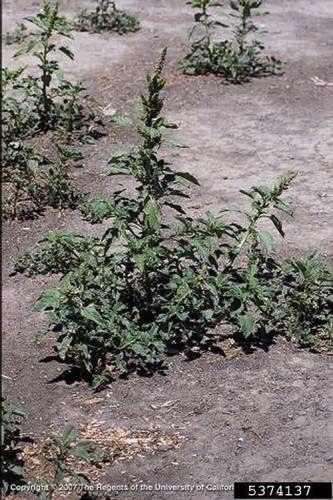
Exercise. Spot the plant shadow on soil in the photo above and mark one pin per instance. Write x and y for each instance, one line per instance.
(72, 374)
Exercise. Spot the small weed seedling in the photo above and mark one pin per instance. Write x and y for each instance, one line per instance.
(106, 17)
(58, 452)
(234, 60)
(160, 280)
(11, 464)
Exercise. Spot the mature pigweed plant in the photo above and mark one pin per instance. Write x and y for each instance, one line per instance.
(234, 60)
(42, 90)
(204, 55)
(43, 102)
(11, 463)
(106, 17)
(151, 286)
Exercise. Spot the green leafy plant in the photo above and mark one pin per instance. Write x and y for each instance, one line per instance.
(23, 191)
(78, 116)
(59, 188)
(106, 17)
(18, 35)
(234, 60)
(42, 90)
(17, 118)
(41, 102)
(204, 55)
(32, 182)
(11, 463)
(304, 294)
(57, 252)
(159, 280)
(59, 451)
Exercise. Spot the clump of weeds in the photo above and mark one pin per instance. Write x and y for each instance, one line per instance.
(11, 463)
(32, 182)
(40, 103)
(57, 252)
(161, 281)
(106, 17)
(18, 35)
(18, 120)
(235, 60)
(60, 452)
(44, 101)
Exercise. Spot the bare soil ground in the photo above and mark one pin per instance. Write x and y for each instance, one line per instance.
(261, 416)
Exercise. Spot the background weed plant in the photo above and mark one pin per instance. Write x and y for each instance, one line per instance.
(43, 90)
(32, 182)
(157, 283)
(59, 450)
(235, 60)
(18, 120)
(11, 463)
(61, 252)
(45, 101)
(106, 17)
(18, 35)
(39, 103)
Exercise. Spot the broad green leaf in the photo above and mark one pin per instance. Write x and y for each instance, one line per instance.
(277, 223)
(123, 121)
(70, 433)
(234, 5)
(284, 207)
(59, 476)
(266, 240)
(119, 170)
(176, 144)
(139, 349)
(152, 214)
(82, 450)
(81, 479)
(176, 207)
(48, 300)
(140, 260)
(246, 323)
(26, 50)
(65, 50)
(188, 177)
(93, 315)
(63, 347)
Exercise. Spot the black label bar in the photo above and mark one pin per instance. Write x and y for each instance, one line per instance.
(292, 491)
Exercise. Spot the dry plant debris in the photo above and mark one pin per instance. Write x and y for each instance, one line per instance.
(109, 445)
